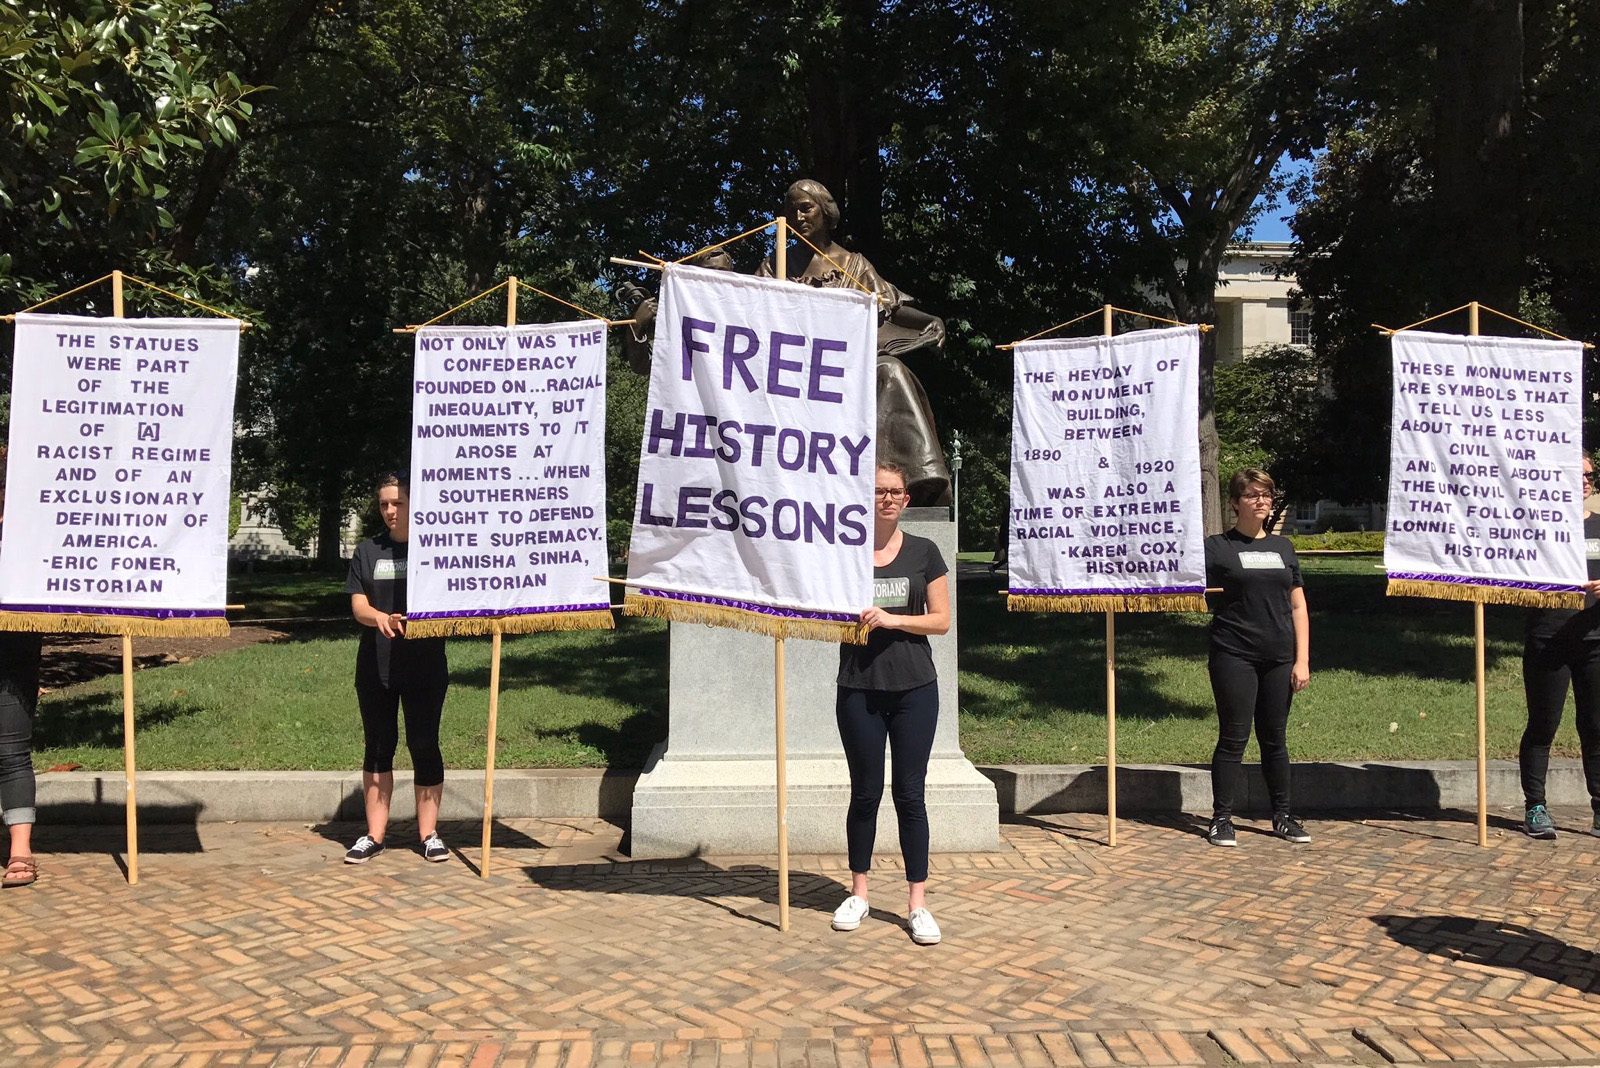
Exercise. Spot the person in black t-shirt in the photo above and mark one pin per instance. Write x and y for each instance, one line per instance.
(1260, 654)
(19, 700)
(1561, 649)
(888, 692)
(394, 672)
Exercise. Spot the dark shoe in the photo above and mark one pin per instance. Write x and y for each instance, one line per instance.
(1594, 826)
(1538, 824)
(1289, 829)
(433, 849)
(1221, 832)
(364, 850)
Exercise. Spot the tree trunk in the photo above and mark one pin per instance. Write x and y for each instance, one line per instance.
(330, 527)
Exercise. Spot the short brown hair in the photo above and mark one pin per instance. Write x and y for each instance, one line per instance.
(895, 469)
(1246, 477)
(393, 478)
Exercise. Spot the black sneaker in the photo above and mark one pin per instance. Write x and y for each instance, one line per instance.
(364, 850)
(433, 848)
(1289, 829)
(1537, 823)
(1221, 832)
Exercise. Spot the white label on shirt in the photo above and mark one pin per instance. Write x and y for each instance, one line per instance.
(389, 569)
(1592, 547)
(1257, 560)
(891, 592)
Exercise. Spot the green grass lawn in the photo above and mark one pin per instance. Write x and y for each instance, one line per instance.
(1392, 678)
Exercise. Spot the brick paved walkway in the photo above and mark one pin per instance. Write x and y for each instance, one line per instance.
(1387, 940)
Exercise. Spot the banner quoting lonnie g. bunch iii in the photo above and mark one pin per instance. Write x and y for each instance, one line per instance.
(508, 480)
(1486, 454)
(1105, 475)
(754, 507)
(117, 486)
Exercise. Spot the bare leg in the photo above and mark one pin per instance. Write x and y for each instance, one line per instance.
(21, 840)
(916, 896)
(858, 884)
(428, 799)
(378, 789)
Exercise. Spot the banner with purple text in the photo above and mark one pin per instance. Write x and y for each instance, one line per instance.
(117, 480)
(754, 507)
(508, 480)
(1105, 475)
(1486, 451)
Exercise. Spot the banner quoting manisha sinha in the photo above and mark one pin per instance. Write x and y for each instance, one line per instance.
(754, 507)
(117, 487)
(508, 480)
(1486, 457)
(1105, 475)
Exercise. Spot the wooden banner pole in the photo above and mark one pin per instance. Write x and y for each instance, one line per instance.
(130, 761)
(1107, 326)
(780, 697)
(1479, 679)
(494, 672)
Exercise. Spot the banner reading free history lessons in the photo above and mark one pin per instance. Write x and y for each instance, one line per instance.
(508, 480)
(1105, 474)
(1485, 498)
(754, 507)
(117, 487)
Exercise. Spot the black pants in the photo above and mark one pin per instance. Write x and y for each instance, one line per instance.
(906, 720)
(1549, 665)
(1248, 692)
(423, 701)
(19, 700)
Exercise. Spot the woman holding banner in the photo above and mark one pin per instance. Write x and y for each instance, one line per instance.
(1260, 654)
(1562, 649)
(19, 699)
(888, 692)
(393, 672)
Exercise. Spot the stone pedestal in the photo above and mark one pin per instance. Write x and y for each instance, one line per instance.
(711, 788)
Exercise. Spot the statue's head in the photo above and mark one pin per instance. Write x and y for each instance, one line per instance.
(811, 210)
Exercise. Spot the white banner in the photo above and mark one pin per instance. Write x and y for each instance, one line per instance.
(756, 471)
(117, 486)
(1105, 473)
(1486, 454)
(508, 476)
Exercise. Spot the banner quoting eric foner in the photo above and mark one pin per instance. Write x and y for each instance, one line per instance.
(754, 507)
(508, 480)
(1485, 499)
(117, 487)
(1105, 475)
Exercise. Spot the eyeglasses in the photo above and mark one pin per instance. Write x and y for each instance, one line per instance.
(1588, 476)
(883, 493)
(1256, 497)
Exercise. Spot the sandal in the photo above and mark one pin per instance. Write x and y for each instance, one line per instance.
(22, 871)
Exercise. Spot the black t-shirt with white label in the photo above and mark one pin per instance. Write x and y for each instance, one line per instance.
(1566, 624)
(1251, 617)
(894, 659)
(378, 569)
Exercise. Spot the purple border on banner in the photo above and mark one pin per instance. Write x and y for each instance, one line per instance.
(747, 606)
(541, 611)
(1020, 591)
(1510, 584)
(146, 613)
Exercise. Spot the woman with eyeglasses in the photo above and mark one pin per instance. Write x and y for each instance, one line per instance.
(395, 672)
(1561, 648)
(1260, 654)
(888, 692)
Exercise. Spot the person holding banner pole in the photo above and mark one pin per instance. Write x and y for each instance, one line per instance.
(394, 672)
(1260, 654)
(889, 693)
(1562, 650)
(19, 700)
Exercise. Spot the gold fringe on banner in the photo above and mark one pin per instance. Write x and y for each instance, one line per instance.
(1461, 591)
(721, 615)
(533, 623)
(1106, 602)
(136, 626)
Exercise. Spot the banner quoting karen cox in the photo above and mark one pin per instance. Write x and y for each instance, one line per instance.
(1105, 475)
(508, 480)
(117, 480)
(1485, 498)
(754, 507)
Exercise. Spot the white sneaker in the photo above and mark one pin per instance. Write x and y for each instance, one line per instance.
(848, 916)
(924, 931)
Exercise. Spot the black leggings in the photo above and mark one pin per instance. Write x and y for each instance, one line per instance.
(1246, 691)
(906, 720)
(423, 701)
(19, 700)
(1548, 666)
